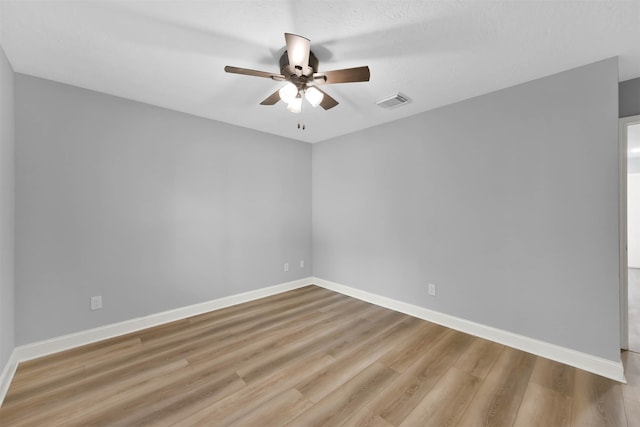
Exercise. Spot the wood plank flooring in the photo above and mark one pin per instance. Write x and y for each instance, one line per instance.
(311, 357)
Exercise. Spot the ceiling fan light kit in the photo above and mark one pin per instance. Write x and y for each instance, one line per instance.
(288, 92)
(299, 68)
(292, 96)
(295, 105)
(314, 96)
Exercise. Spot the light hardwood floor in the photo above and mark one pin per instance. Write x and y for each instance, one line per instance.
(312, 357)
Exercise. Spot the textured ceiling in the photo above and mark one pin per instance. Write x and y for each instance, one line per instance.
(172, 53)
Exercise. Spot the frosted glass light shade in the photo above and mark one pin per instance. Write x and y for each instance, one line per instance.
(295, 106)
(314, 96)
(288, 92)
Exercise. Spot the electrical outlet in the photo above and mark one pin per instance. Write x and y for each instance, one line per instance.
(96, 302)
(301, 263)
(286, 266)
(432, 289)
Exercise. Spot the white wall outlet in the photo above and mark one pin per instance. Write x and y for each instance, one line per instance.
(286, 266)
(301, 263)
(432, 289)
(96, 302)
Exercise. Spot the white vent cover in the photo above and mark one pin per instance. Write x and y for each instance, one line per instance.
(393, 101)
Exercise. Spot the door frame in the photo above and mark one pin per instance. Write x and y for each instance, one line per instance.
(624, 123)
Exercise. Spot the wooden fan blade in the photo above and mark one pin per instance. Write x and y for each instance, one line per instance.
(298, 49)
(327, 101)
(347, 75)
(248, 72)
(272, 99)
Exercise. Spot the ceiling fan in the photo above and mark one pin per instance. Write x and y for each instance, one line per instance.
(299, 68)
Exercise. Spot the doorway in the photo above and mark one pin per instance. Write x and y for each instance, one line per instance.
(630, 232)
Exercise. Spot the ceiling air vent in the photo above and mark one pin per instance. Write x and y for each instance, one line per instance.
(393, 101)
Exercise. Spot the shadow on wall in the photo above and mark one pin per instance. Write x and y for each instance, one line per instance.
(629, 98)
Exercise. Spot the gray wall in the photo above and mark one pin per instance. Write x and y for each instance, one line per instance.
(508, 202)
(150, 208)
(629, 102)
(7, 204)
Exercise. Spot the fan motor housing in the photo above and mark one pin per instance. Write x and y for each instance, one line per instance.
(290, 71)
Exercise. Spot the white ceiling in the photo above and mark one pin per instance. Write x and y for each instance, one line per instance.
(172, 53)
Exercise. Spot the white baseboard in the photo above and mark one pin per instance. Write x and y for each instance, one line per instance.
(42, 348)
(604, 367)
(7, 375)
(597, 365)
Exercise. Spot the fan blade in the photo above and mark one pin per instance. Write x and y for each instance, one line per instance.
(248, 72)
(272, 99)
(327, 102)
(347, 75)
(298, 49)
